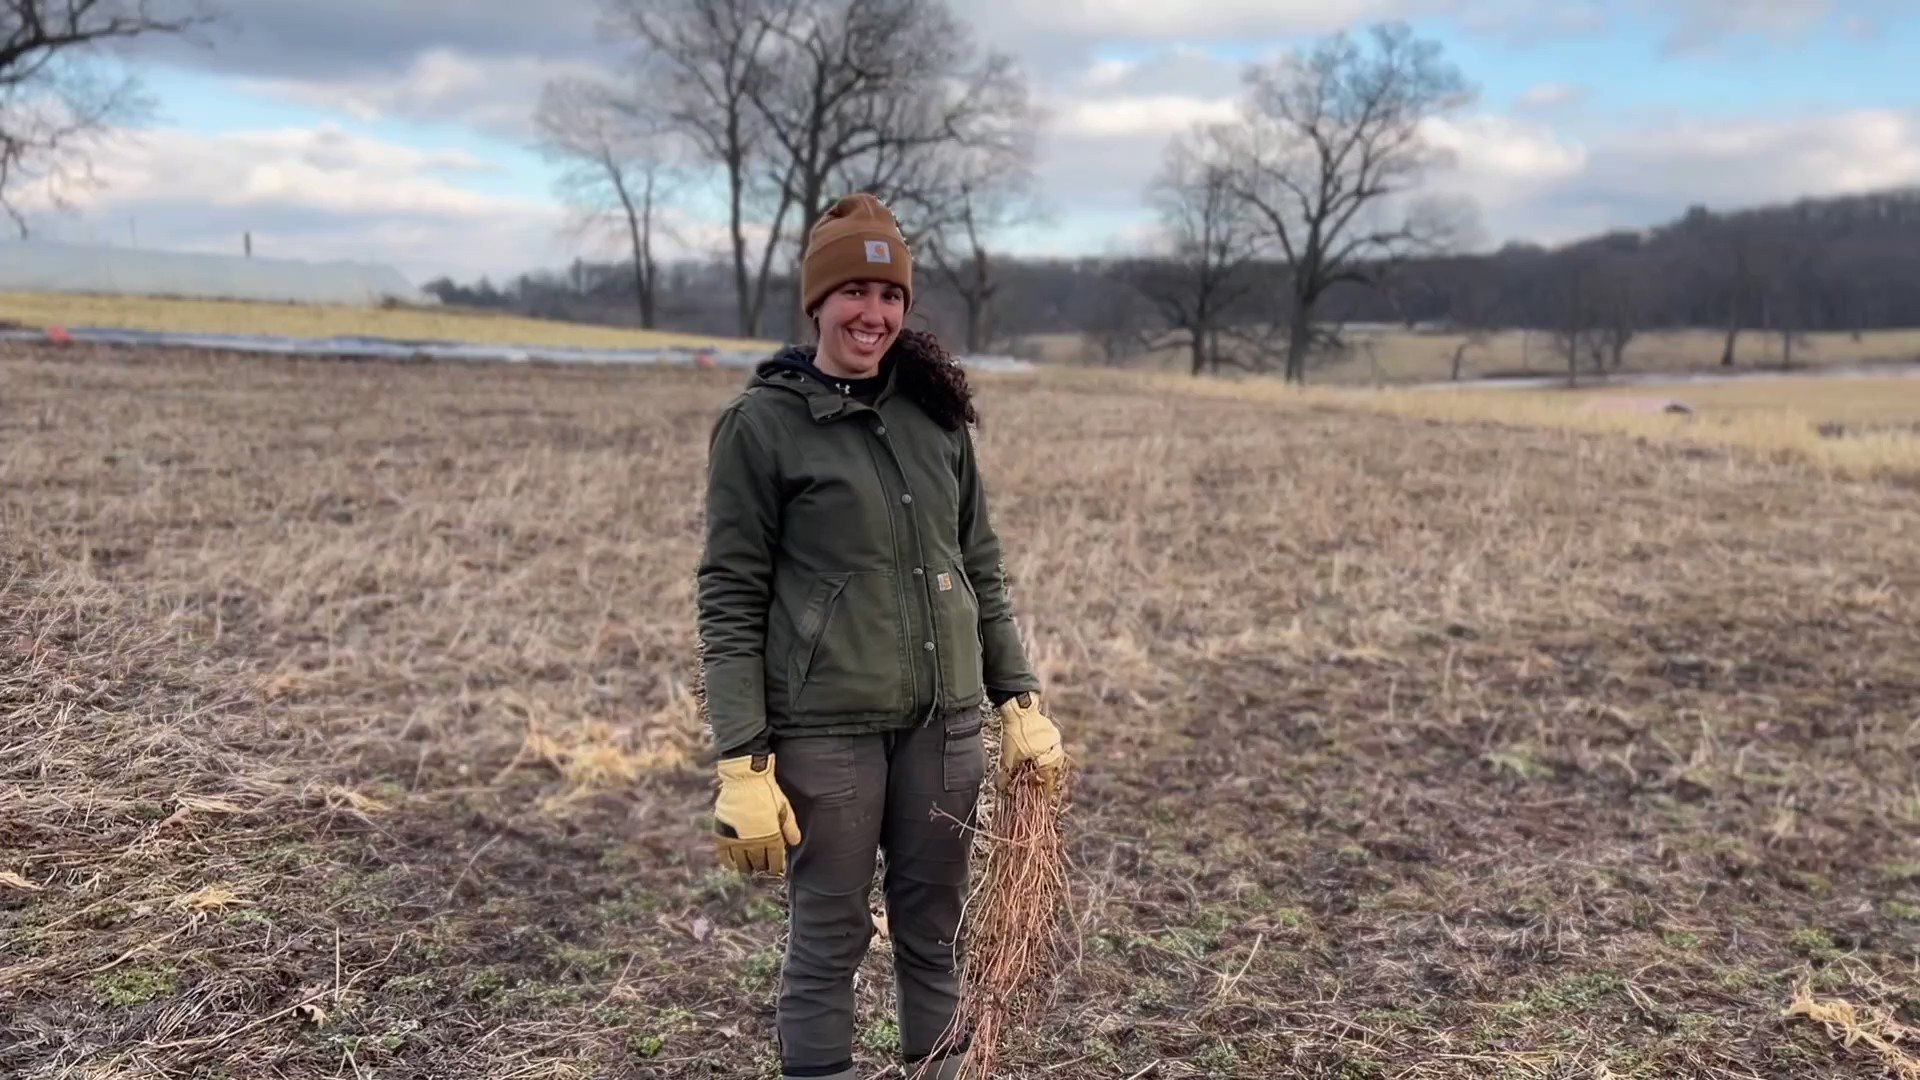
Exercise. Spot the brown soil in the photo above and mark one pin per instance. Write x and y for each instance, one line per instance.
(345, 730)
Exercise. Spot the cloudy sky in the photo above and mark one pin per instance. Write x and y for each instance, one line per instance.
(396, 130)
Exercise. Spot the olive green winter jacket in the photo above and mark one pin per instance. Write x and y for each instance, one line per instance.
(851, 581)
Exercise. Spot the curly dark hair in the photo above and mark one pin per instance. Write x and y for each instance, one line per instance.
(930, 376)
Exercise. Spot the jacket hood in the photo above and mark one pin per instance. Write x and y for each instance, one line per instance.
(795, 358)
(780, 369)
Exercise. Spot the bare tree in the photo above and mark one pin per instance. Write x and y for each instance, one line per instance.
(1619, 302)
(1793, 272)
(1729, 269)
(1209, 239)
(1573, 305)
(1478, 310)
(1616, 323)
(960, 196)
(1740, 282)
(869, 94)
(702, 60)
(971, 196)
(56, 102)
(1331, 146)
(619, 163)
(984, 207)
(1114, 322)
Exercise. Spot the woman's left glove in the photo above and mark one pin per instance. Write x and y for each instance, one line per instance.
(752, 817)
(1026, 734)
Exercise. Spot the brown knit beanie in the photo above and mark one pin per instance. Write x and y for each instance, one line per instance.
(858, 240)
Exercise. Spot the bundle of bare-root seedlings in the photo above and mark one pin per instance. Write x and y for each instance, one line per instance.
(1013, 927)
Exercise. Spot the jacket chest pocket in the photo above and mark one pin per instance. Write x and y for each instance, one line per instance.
(956, 612)
(846, 652)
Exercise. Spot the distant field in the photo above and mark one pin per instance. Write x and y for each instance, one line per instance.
(1855, 426)
(1375, 357)
(1861, 403)
(1403, 356)
(1406, 356)
(322, 321)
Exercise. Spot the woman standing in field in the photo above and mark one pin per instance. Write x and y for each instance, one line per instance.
(853, 618)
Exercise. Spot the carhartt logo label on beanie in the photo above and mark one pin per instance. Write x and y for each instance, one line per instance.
(857, 239)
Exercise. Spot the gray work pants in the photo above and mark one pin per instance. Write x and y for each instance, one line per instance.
(854, 795)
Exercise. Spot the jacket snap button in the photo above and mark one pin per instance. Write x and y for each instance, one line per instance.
(917, 572)
(906, 498)
(881, 430)
(928, 646)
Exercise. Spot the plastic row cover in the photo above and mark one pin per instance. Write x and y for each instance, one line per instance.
(382, 348)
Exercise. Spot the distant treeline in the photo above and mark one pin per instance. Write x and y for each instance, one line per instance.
(1836, 264)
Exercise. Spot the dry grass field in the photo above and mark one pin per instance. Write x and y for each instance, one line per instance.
(331, 320)
(1856, 403)
(344, 731)
(1400, 356)
(1849, 426)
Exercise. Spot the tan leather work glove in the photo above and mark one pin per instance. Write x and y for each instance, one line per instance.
(1027, 735)
(752, 818)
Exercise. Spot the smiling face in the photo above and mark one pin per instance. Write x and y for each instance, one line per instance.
(859, 322)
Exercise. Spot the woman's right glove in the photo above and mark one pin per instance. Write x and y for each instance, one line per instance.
(1026, 734)
(752, 818)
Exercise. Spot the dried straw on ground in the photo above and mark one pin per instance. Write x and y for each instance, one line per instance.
(1852, 1026)
(1013, 923)
(1570, 752)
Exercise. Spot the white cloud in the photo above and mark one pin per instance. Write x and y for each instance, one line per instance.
(316, 168)
(1106, 74)
(1504, 151)
(1861, 27)
(1530, 21)
(1108, 127)
(1159, 20)
(495, 94)
(1080, 174)
(1770, 158)
(1700, 23)
(1547, 96)
(1162, 114)
(308, 193)
(1500, 166)
(1689, 25)
(1648, 174)
(1535, 174)
(1173, 69)
(1538, 181)
(334, 40)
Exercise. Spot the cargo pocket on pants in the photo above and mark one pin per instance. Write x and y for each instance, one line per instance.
(817, 770)
(963, 756)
